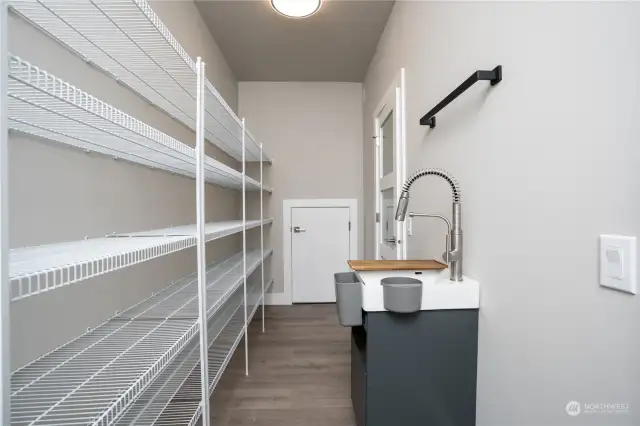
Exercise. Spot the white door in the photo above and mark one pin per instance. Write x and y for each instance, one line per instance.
(320, 247)
(390, 172)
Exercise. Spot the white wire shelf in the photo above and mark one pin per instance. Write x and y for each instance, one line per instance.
(267, 287)
(188, 397)
(185, 409)
(174, 398)
(233, 270)
(37, 269)
(45, 106)
(254, 295)
(160, 403)
(213, 230)
(94, 379)
(126, 39)
(254, 185)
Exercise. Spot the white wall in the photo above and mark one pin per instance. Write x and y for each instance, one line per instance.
(547, 160)
(313, 133)
(59, 194)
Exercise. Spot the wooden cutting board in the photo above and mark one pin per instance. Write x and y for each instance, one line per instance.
(395, 265)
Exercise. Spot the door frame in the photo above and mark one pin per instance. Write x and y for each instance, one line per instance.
(398, 85)
(286, 298)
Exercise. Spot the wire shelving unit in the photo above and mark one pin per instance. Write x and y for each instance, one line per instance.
(34, 270)
(157, 362)
(143, 54)
(45, 106)
(181, 381)
(93, 378)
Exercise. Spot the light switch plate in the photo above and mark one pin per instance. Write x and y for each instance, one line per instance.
(618, 263)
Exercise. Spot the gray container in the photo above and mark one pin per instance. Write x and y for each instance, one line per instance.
(402, 295)
(348, 298)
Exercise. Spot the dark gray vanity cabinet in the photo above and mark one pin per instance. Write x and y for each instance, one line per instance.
(358, 373)
(415, 369)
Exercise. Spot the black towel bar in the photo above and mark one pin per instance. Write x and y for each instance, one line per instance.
(494, 76)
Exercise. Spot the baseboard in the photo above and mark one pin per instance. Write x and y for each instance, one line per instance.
(277, 299)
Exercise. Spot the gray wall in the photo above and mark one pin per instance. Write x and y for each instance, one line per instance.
(313, 133)
(183, 19)
(547, 160)
(60, 194)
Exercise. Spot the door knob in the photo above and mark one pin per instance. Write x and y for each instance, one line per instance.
(391, 240)
(297, 229)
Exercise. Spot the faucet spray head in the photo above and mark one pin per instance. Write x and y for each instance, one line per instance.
(403, 204)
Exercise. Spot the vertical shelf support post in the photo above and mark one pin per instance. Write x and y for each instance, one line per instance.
(244, 246)
(5, 289)
(202, 265)
(262, 233)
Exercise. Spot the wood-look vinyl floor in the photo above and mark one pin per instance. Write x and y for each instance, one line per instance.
(299, 372)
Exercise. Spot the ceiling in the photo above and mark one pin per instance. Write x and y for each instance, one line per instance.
(335, 44)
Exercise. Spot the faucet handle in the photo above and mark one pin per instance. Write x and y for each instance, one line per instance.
(447, 252)
(455, 255)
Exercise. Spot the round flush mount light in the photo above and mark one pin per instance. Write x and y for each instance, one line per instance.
(296, 8)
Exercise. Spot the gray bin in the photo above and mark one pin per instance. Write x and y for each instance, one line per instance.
(348, 298)
(403, 295)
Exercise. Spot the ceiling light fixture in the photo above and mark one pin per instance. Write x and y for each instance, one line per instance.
(296, 8)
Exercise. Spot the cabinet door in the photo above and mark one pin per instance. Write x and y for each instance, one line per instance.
(358, 374)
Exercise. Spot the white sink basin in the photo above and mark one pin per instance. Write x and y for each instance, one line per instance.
(437, 291)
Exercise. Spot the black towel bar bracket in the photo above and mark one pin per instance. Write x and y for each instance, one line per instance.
(494, 76)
